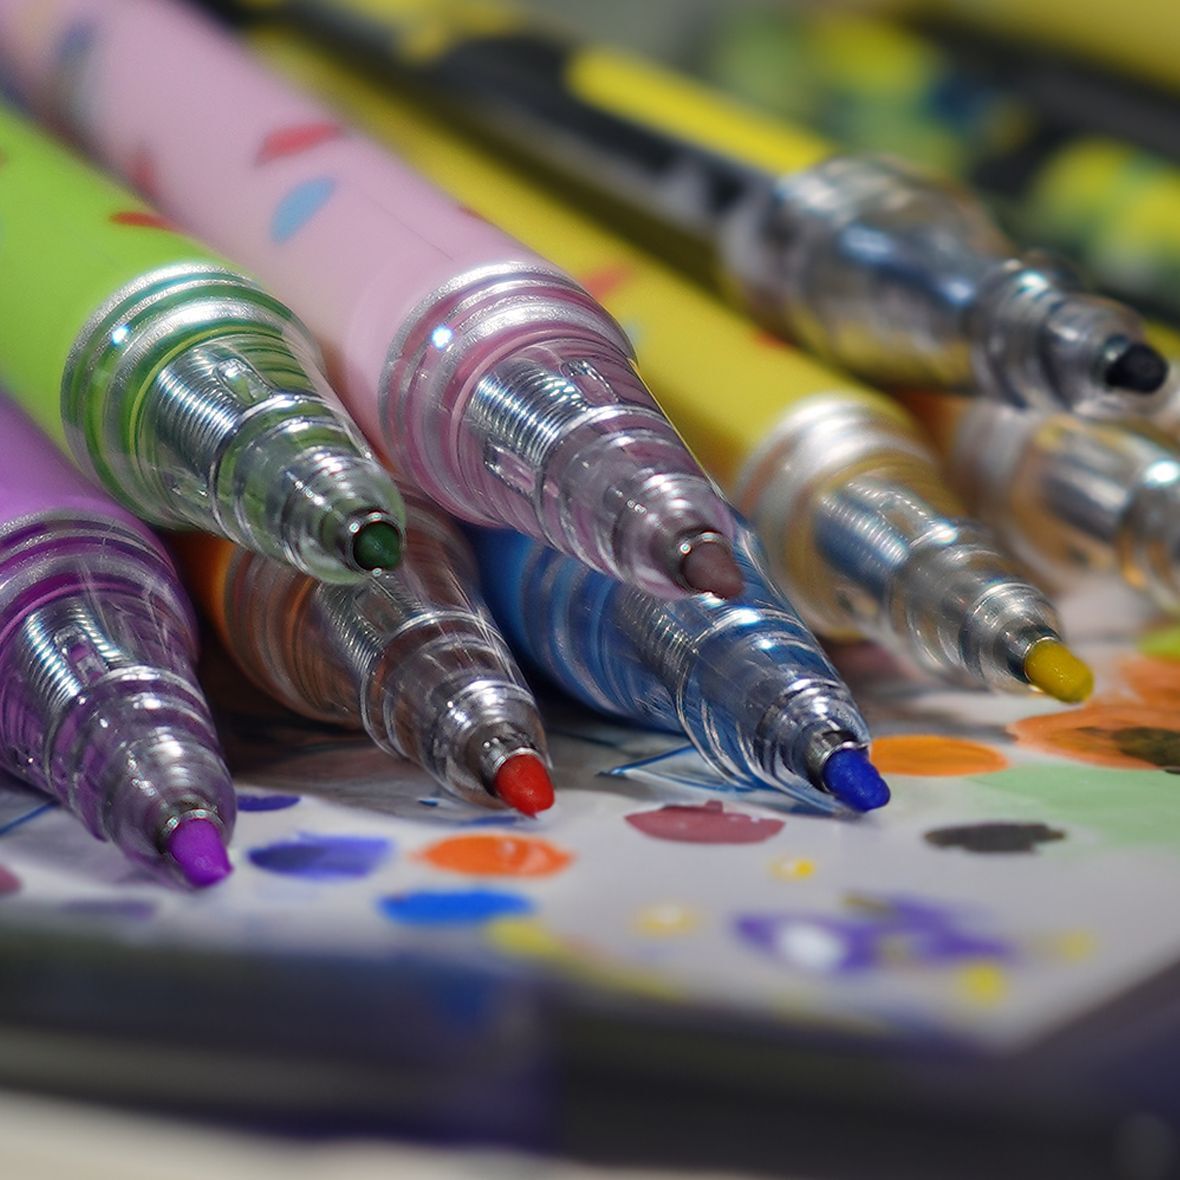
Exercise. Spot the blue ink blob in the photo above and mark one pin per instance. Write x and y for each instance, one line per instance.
(266, 802)
(299, 206)
(323, 858)
(466, 907)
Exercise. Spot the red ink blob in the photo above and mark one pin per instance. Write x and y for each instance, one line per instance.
(708, 823)
(290, 141)
(9, 881)
(142, 218)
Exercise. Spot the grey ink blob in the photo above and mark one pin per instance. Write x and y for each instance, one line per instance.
(997, 836)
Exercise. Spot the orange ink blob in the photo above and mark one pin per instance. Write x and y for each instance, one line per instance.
(1116, 733)
(930, 754)
(1156, 681)
(142, 219)
(492, 854)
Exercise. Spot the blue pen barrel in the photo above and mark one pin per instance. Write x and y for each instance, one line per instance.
(743, 678)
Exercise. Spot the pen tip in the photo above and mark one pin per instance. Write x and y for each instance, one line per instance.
(854, 780)
(195, 845)
(707, 566)
(1055, 670)
(1134, 366)
(524, 783)
(377, 546)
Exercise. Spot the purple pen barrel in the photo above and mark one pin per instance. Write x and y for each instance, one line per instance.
(99, 703)
(517, 401)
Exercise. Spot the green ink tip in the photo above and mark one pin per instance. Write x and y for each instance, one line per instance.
(377, 546)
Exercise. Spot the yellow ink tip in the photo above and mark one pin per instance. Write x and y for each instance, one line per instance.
(1055, 670)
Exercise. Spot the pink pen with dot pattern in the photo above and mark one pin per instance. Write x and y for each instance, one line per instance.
(488, 375)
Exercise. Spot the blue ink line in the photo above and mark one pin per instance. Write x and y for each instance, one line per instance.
(13, 824)
(651, 760)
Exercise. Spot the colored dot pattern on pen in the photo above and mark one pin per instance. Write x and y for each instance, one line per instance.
(299, 206)
(293, 141)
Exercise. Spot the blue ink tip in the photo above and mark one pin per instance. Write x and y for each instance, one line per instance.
(854, 780)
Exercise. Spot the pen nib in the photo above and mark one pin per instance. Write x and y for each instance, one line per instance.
(195, 845)
(377, 546)
(1055, 670)
(523, 783)
(854, 780)
(1133, 366)
(707, 566)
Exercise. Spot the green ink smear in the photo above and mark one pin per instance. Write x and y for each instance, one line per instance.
(1163, 644)
(1121, 807)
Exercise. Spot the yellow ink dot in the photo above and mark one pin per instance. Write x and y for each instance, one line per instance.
(525, 937)
(983, 983)
(663, 920)
(1075, 945)
(792, 869)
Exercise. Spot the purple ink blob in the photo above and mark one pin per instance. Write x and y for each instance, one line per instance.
(9, 881)
(460, 907)
(888, 933)
(266, 802)
(323, 858)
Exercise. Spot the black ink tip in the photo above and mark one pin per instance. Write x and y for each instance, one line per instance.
(1134, 366)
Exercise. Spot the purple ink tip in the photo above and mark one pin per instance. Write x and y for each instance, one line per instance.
(195, 845)
(854, 780)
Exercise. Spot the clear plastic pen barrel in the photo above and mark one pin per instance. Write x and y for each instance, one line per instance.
(870, 542)
(197, 401)
(517, 401)
(1072, 496)
(904, 278)
(744, 679)
(99, 703)
(409, 655)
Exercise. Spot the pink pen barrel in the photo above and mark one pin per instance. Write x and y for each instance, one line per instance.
(488, 375)
(99, 702)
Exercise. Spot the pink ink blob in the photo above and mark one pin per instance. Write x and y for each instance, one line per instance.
(705, 823)
(9, 881)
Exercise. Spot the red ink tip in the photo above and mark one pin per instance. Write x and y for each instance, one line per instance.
(196, 847)
(524, 783)
(708, 567)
